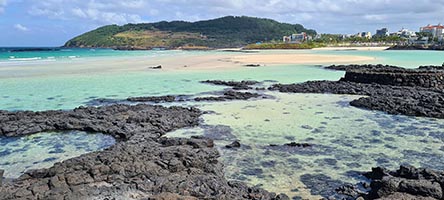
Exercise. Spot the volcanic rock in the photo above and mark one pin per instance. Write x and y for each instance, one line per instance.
(141, 165)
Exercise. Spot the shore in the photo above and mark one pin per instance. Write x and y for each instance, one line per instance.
(353, 48)
(188, 61)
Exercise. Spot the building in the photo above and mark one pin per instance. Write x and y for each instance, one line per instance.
(296, 38)
(437, 31)
(367, 35)
(418, 41)
(382, 32)
(406, 33)
(286, 39)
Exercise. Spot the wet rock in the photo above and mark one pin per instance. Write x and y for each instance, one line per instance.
(156, 67)
(406, 100)
(408, 182)
(236, 85)
(365, 67)
(282, 197)
(252, 65)
(349, 190)
(230, 95)
(102, 102)
(294, 144)
(142, 163)
(155, 99)
(235, 144)
(1, 176)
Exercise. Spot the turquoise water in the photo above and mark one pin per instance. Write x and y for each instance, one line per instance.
(408, 59)
(8, 57)
(70, 91)
(345, 139)
(42, 150)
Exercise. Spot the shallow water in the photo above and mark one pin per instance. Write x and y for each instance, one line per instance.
(408, 59)
(345, 139)
(70, 91)
(42, 150)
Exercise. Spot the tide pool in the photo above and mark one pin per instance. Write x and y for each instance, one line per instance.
(42, 150)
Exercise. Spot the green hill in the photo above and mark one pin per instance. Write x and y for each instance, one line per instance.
(217, 33)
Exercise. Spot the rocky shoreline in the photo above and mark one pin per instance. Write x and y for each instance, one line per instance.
(405, 183)
(142, 165)
(416, 92)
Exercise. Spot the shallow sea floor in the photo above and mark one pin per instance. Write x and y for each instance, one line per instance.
(42, 150)
(346, 140)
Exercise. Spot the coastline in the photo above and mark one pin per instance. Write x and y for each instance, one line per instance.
(182, 62)
(353, 48)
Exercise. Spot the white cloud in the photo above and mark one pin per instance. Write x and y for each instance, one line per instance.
(20, 27)
(106, 17)
(2, 6)
(96, 11)
(323, 15)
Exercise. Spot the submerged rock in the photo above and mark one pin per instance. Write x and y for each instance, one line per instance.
(233, 145)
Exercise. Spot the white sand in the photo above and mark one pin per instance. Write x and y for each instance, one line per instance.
(352, 48)
(185, 61)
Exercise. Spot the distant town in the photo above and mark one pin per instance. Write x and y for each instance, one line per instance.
(427, 35)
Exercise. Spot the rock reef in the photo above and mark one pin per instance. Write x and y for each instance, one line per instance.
(230, 95)
(394, 90)
(405, 183)
(236, 85)
(141, 165)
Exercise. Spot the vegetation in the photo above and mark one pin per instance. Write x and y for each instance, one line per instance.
(332, 39)
(222, 32)
(306, 45)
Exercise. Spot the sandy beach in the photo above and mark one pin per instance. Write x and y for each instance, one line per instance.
(187, 61)
(352, 48)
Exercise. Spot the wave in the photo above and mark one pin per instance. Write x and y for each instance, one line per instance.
(24, 59)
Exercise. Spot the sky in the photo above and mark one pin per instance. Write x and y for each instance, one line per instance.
(53, 22)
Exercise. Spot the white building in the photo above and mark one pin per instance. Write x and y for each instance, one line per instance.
(367, 35)
(405, 33)
(437, 31)
(297, 38)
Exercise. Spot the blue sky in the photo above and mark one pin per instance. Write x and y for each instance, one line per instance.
(53, 22)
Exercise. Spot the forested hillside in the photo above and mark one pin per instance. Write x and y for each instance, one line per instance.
(217, 33)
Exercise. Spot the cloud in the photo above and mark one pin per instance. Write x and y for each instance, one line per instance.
(96, 11)
(20, 27)
(323, 15)
(2, 6)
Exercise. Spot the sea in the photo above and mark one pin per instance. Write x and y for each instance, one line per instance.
(346, 141)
